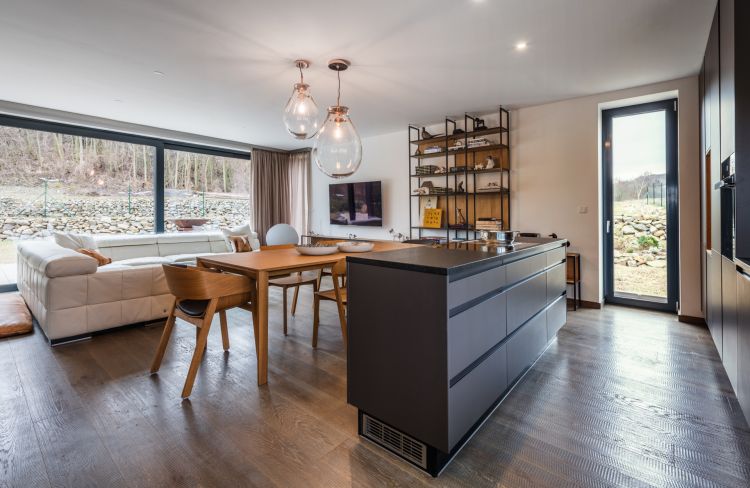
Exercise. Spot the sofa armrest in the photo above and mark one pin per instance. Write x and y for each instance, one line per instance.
(53, 261)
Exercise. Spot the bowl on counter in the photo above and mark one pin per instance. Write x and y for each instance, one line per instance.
(505, 237)
(316, 249)
(355, 246)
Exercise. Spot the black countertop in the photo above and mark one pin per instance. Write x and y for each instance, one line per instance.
(457, 259)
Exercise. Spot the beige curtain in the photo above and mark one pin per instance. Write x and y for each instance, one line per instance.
(299, 181)
(270, 191)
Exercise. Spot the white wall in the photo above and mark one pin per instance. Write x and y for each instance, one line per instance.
(383, 159)
(555, 170)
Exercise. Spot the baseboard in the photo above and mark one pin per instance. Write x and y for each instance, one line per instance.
(688, 319)
(585, 304)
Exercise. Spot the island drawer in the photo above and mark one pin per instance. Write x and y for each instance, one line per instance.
(475, 393)
(555, 256)
(525, 300)
(519, 270)
(556, 316)
(474, 331)
(462, 291)
(526, 345)
(555, 282)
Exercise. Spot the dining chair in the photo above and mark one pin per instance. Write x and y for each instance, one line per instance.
(336, 294)
(294, 280)
(281, 234)
(199, 294)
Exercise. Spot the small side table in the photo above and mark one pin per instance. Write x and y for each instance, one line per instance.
(573, 276)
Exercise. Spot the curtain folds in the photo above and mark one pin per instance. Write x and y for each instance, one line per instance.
(279, 190)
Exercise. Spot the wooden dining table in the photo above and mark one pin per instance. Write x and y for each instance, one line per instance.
(263, 265)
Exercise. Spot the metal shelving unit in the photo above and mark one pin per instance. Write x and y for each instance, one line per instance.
(460, 162)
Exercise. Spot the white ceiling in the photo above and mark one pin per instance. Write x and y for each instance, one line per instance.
(228, 63)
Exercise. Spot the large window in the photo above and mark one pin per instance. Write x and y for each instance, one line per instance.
(205, 189)
(60, 177)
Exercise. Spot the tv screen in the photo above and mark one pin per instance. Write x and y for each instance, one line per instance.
(356, 204)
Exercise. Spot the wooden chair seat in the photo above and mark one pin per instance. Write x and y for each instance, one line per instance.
(338, 295)
(331, 295)
(294, 280)
(306, 278)
(197, 308)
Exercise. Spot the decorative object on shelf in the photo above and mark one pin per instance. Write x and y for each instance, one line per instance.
(338, 149)
(301, 114)
(460, 219)
(397, 236)
(458, 144)
(479, 124)
(460, 187)
(457, 131)
(489, 223)
(427, 135)
(457, 169)
(418, 152)
(490, 162)
(427, 169)
(433, 149)
(491, 186)
(440, 170)
(478, 142)
(433, 218)
(478, 167)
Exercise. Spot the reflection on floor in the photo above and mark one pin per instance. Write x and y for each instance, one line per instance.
(623, 398)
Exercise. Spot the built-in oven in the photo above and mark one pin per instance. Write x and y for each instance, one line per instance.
(727, 198)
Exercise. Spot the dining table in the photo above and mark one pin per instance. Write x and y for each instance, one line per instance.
(263, 265)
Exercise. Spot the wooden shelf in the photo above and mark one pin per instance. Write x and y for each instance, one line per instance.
(453, 194)
(467, 135)
(489, 147)
(461, 172)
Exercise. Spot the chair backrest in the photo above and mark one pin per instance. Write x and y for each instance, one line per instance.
(339, 269)
(190, 283)
(281, 234)
(278, 246)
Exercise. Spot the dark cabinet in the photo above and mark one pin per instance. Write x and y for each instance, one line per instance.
(726, 76)
(729, 318)
(712, 116)
(743, 342)
(713, 297)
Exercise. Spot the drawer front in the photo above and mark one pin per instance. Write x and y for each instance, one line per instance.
(526, 267)
(526, 345)
(475, 393)
(474, 331)
(462, 291)
(557, 315)
(525, 300)
(555, 256)
(555, 282)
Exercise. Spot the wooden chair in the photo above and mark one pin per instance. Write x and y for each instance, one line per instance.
(199, 294)
(292, 281)
(338, 295)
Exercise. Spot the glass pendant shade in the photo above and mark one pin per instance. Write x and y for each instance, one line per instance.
(301, 113)
(338, 149)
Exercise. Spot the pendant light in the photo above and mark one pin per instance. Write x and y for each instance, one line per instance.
(301, 113)
(338, 149)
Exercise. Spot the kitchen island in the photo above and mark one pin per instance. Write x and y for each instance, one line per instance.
(439, 335)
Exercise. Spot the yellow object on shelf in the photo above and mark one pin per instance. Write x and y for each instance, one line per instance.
(433, 218)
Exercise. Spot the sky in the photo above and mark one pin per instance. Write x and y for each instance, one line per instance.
(638, 145)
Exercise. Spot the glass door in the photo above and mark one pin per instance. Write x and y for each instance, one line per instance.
(639, 148)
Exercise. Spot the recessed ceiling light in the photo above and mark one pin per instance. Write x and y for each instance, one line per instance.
(158, 73)
(117, 100)
(521, 45)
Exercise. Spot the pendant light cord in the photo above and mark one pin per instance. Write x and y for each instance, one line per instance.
(338, 96)
(301, 76)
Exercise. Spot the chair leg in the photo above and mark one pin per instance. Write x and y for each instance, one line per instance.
(200, 346)
(316, 320)
(165, 335)
(342, 321)
(294, 300)
(284, 307)
(224, 330)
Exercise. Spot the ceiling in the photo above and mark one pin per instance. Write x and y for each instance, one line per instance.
(228, 67)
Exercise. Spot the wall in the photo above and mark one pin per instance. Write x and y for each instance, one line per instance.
(556, 161)
(556, 169)
(384, 160)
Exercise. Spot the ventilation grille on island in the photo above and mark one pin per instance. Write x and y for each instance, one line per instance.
(391, 439)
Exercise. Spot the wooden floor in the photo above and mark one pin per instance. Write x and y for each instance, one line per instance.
(624, 398)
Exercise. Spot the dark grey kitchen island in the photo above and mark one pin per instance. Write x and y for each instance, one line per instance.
(438, 336)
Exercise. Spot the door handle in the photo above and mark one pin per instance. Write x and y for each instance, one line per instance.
(608, 225)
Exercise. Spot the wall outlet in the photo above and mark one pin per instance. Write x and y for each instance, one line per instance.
(583, 209)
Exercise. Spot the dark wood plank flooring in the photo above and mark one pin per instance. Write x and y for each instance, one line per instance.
(623, 398)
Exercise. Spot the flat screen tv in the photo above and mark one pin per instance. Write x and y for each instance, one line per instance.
(356, 204)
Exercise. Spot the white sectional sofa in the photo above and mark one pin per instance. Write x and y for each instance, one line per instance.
(71, 297)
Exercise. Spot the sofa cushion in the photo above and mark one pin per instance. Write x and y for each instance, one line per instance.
(101, 259)
(143, 261)
(69, 240)
(120, 240)
(53, 260)
(244, 231)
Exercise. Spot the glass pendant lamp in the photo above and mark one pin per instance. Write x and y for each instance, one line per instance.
(338, 149)
(301, 113)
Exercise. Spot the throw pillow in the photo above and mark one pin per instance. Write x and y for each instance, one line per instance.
(244, 231)
(100, 258)
(74, 241)
(240, 244)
